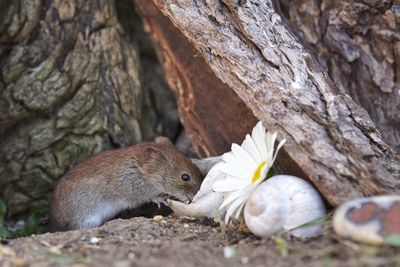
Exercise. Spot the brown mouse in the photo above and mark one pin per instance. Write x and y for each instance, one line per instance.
(99, 188)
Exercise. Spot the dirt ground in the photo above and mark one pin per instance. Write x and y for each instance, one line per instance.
(185, 242)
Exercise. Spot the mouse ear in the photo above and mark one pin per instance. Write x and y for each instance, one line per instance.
(150, 157)
(163, 140)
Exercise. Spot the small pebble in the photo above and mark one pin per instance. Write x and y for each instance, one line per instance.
(185, 225)
(229, 252)
(123, 263)
(6, 251)
(244, 260)
(131, 255)
(371, 220)
(157, 218)
(55, 250)
(19, 262)
(94, 240)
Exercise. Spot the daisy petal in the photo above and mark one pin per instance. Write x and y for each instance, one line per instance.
(249, 145)
(228, 214)
(231, 198)
(239, 210)
(270, 141)
(281, 143)
(230, 158)
(258, 135)
(235, 207)
(235, 170)
(242, 154)
(229, 185)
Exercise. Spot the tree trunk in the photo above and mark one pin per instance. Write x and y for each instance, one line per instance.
(70, 86)
(358, 43)
(331, 140)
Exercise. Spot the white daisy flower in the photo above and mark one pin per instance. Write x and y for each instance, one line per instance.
(245, 166)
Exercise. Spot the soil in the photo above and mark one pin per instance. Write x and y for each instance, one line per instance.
(171, 241)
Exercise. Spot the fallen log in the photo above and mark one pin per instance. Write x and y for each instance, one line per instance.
(331, 140)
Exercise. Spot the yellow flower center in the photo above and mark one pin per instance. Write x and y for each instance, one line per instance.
(257, 173)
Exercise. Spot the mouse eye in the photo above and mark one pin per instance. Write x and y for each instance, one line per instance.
(185, 177)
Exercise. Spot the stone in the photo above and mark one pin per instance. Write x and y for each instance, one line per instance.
(158, 218)
(373, 220)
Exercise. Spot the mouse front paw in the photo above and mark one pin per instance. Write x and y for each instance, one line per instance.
(160, 200)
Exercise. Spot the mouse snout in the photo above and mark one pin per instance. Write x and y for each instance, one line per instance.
(184, 198)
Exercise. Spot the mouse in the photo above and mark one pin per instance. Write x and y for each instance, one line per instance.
(97, 189)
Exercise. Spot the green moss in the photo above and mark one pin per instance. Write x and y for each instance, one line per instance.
(31, 226)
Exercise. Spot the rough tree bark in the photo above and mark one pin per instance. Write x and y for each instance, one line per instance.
(202, 98)
(358, 43)
(331, 140)
(70, 86)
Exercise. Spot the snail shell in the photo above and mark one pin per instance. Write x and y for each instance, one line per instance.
(284, 202)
